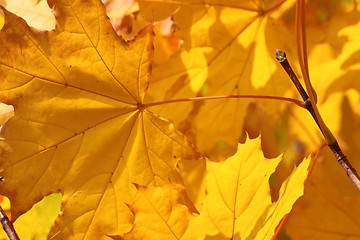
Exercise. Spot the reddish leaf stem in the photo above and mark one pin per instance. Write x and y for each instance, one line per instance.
(301, 47)
(310, 101)
(8, 226)
(333, 145)
(194, 99)
(281, 225)
(313, 161)
(282, 222)
(329, 137)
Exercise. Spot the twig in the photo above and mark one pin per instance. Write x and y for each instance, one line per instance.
(334, 146)
(344, 162)
(281, 57)
(8, 226)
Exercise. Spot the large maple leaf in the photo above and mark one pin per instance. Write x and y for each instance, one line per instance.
(239, 36)
(237, 205)
(79, 125)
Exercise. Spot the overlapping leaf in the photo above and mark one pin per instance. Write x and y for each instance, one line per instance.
(228, 48)
(79, 127)
(328, 209)
(6, 112)
(330, 201)
(35, 12)
(44, 212)
(238, 203)
(159, 214)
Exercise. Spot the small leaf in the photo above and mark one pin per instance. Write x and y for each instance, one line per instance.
(159, 214)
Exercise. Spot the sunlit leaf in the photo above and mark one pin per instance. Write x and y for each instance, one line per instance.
(328, 209)
(159, 214)
(238, 203)
(36, 13)
(79, 127)
(227, 48)
(35, 224)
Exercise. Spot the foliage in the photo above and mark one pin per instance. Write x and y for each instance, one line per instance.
(93, 119)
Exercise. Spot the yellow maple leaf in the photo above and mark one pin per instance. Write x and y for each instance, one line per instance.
(159, 214)
(228, 48)
(238, 203)
(79, 127)
(329, 207)
(44, 212)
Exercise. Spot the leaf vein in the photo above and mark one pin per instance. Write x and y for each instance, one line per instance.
(98, 53)
(111, 176)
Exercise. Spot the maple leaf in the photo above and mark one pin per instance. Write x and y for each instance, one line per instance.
(328, 209)
(238, 204)
(238, 36)
(79, 127)
(44, 212)
(238, 201)
(36, 13)
(330, 200)
(159, 214)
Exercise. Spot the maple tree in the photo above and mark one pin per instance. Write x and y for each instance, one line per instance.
(131, 135)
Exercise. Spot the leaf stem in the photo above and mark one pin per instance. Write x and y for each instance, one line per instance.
(310, 101)
(302, 55)
(283, 220)
(333, 145)
(194, 99)
(8, 226)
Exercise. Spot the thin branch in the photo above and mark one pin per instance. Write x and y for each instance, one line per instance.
(344, 162)
(333, 145)
(329, 137)
(281, 57)
(194, 99)
(8, 226)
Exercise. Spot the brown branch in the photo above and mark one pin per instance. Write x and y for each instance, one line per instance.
(281, 57)
(8, 226)
(335, 148)
(344, 162)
